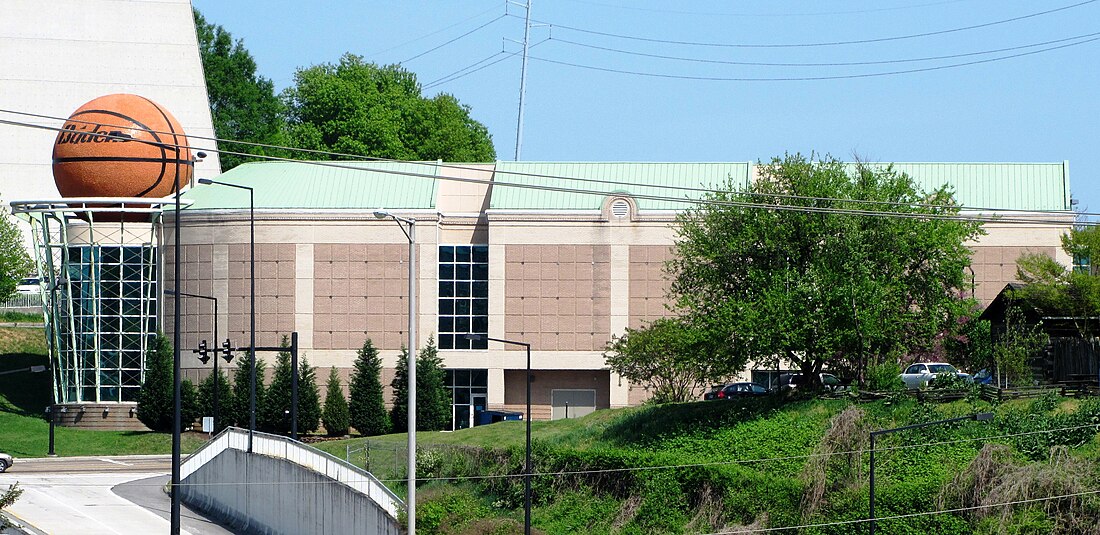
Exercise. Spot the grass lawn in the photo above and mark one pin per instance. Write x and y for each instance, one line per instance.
(24, 396)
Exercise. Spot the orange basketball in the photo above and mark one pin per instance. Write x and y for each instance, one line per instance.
(121, 146)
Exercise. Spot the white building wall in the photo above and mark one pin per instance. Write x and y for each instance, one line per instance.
(58, 54)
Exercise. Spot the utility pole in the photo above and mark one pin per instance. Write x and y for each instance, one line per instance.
(523, 78)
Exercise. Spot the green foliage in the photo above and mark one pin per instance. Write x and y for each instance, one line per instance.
(242, 385)
(14, 261)
(225, 399)
(1014, 349)
(448, 509)
(433, 399)
(190, 411)
(357, 107)
(243, 104)
(433, 405)
(820, 288)
(335, 416)
(309, 398)
(275, 411)
(7, 498)
(1057, 290)
(156, 399)
(885, 377)
(367, 407)
(669, 356)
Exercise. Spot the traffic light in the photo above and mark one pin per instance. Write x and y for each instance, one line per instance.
(227, 350)
(203, 352)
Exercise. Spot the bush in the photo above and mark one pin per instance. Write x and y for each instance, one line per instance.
(885, 377)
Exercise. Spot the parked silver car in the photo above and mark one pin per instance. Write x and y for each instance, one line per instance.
(925, 373)
(5, 462)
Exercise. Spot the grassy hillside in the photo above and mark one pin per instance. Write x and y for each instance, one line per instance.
(24, 396)
(722, 466)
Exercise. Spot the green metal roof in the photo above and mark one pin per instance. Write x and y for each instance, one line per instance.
(412, 185)
(655, 179)
(322, 185)
(1000, 186)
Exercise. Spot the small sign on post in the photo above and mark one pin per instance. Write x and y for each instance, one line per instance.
(207, 424)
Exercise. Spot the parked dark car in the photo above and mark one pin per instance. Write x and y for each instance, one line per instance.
(741, 390)
(713, 392)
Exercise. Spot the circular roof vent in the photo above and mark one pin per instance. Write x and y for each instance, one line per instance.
(620, 208)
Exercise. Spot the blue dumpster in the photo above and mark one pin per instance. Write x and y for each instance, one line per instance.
(492, 417)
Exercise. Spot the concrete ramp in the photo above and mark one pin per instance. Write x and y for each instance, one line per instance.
(285, 486)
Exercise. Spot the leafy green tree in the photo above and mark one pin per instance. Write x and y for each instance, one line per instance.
(433, 402)
(368, 406)
(1053, 288)
(225, 399)
(242, 103)
(357, 107)
(14, 261)
(276, 407)
(309, 398)
(336, 417)
(241, 390)
(669, 356)
(156, 399)
(1014, 349)
(785, 270)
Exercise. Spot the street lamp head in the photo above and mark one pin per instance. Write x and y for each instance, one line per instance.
(205, 181)
(983, 416)
(474, 336)
(381, 214)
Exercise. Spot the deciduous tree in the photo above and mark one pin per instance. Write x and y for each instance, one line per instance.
(357, 107)
(799, 266)
(14, 261)
(243, 104)
(668, 356)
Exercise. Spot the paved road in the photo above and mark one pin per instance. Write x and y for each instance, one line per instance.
(98, 495)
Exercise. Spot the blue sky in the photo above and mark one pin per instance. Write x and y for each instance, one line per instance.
(1040, 107)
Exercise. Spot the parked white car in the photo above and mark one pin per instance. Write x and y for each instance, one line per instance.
(924, 373)
(29, 285)
(5, 462)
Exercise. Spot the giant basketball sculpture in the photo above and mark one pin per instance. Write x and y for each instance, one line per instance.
(116, 161)
(121, 146)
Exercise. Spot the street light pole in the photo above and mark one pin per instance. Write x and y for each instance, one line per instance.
(527, 418)
(978, 417)
(410, 233)
(252, 299)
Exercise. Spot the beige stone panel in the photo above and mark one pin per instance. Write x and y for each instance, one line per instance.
(579, 232)
(496, 387)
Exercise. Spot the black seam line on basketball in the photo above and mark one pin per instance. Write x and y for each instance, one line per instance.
(164, 166)
(164, 161)
(159, 144)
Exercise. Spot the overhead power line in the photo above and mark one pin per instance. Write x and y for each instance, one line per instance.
(787, 14)
(441, 30)
(819, 64)
(471, 32)
(660, 198)
(813, 78)
(817, 44)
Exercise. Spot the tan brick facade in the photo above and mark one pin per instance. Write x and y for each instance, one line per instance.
(557, 297)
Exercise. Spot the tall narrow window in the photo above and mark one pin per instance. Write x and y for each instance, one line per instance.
(463, 296)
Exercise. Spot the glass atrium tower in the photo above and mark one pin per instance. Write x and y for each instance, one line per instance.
(99, 273)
